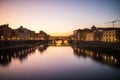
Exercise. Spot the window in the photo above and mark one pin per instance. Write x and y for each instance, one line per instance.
(113, 31)
(2, 37)
(106, 40)
(109, 34)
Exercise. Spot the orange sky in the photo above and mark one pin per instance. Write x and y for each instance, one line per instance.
(58, 17)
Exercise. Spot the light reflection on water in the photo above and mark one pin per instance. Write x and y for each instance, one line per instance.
(59, 62)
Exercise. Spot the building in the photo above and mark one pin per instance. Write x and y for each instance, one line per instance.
(42, 36)
(97, 34)
(81, 34)
(90, 36)
(25, 34)
(111, 35)
(5, 32)
(71, 37)
(93, 28)
(75, 35)
(14, 35)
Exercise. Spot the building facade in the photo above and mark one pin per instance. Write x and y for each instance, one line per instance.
(25, 34)
(81, 34)
(111, 35)
(5, 32)
(90, 36)
(97, 34)
(42, 35)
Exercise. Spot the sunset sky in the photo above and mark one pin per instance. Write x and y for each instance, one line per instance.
(59, 17)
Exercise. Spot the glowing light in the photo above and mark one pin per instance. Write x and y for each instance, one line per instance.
(14, 54)
(105, 57)
(1, 57)
(91, 53)
(82, 50)
(19, 53)
(115, 60)
(7, 57)
(97, 55)
(111, 57)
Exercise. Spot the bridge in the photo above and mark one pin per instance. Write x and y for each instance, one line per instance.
(61, 39)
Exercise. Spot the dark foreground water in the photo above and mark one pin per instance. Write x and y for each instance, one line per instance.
(59, 62)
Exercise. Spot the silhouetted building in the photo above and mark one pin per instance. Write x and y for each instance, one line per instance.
(42, 35)
(5, 32)
(93, 28)
(25, 34)
(21, 33)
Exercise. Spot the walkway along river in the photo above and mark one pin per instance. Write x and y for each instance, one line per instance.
(56, 61)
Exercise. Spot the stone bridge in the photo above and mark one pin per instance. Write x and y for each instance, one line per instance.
(54, 39)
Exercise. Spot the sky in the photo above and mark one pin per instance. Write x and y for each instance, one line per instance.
(59, 17)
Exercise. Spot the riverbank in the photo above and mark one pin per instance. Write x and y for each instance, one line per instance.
(9, 45)
(97, 45)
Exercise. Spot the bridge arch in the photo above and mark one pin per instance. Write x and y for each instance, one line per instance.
(63, 39)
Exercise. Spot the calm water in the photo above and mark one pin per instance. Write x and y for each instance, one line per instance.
(59, 62)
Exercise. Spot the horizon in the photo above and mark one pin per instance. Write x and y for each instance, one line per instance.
(59, 17)
(56, 34)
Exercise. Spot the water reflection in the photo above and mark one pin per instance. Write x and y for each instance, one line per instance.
(53, 62)
(42, 48)
(21, 54)
(109, 58)
(59, 43)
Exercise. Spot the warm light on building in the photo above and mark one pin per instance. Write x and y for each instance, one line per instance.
(2, 37)
(111, 35)
(18, 38)
(31, 38)
(90, 36)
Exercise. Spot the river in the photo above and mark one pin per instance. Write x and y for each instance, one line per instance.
(61, 62)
